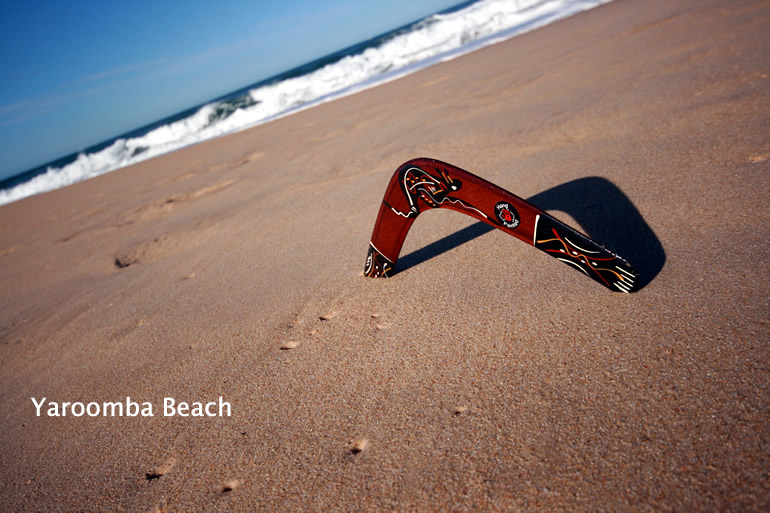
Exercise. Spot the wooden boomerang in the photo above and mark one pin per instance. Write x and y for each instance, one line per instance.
(426, 183)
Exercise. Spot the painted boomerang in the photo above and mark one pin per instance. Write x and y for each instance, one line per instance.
(426, 183)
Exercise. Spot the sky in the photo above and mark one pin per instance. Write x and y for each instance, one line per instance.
(73, 74)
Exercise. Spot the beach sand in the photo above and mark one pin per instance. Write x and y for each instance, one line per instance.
(485, 376)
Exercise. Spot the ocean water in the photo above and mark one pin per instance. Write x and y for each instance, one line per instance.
(440, 37)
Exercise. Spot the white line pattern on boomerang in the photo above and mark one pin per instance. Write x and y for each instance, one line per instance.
(422, 183)
(628, 274)
(581, 249)
(406, 188)
(464, 205)
(380, 252)
(572, 263)
(433, 182)
(401, 213)
(620, 288)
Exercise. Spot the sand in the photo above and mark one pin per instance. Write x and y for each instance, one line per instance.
(485, 376)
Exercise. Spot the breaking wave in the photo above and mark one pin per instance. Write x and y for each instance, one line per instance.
(434, 39)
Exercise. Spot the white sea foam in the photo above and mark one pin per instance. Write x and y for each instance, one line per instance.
(437, 38)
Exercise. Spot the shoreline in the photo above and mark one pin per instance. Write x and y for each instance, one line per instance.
(91, 161)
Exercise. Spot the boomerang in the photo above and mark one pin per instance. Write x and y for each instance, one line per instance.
(422, 184)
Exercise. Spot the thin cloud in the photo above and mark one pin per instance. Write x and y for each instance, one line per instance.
(122, 70)
(195, 61)
(30, 108)
(6, 110)
(25, 109)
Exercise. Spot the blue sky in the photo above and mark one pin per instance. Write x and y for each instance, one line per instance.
(76, 73)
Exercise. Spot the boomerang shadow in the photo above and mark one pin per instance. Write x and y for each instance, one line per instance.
(600, 207)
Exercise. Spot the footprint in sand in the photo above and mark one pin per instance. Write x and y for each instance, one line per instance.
(165, 244)
(251, 157)
(358, 445)
(382, 324)
(145, 251)
(230, 485)
(163, 207)
(163, 507)
(291, 344)
(329, 316)
(160, 471)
